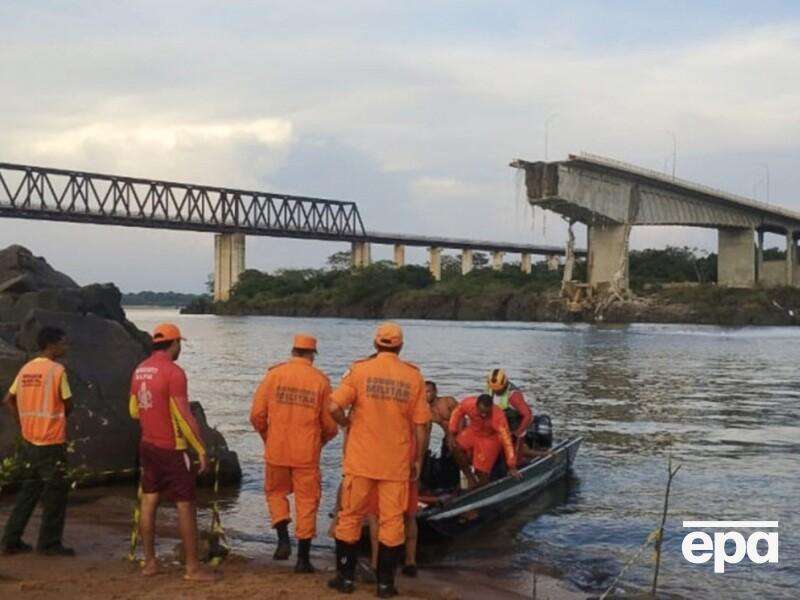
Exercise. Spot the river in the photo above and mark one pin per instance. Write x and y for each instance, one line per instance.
(723, 403)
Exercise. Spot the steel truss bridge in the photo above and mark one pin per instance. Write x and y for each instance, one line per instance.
(30, 192)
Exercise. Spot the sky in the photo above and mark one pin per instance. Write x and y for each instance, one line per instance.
(413, 110)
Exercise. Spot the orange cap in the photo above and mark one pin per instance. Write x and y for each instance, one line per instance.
(166, 332)
(389, 335)
(303, 341)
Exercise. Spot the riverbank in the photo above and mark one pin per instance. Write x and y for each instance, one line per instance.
(98, 526)
(705, 304)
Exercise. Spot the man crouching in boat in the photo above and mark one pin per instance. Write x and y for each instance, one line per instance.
(480, 441)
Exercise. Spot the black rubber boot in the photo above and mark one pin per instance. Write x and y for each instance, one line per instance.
(346, 556)
(303, 559)
(284, 549)
(388, 558)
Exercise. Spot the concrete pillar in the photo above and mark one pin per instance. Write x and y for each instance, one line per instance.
(553, 263)
(229, 263)
(435, 263)
(361, 255)
(497, 260)
(606, 250)
(791, 257)
(525, 263)
(399, 255)
(736, 262)
(466, 261)
(760, 258)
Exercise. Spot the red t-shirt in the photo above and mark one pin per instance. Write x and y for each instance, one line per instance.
(160, 400)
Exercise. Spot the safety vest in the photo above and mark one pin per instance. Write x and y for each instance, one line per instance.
(41, 409)
(503, 399)
(513, 416)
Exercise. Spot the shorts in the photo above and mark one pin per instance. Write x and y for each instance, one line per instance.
(167, 472)
(484, 449)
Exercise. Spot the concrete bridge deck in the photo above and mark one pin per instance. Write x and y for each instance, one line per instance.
(610, 197)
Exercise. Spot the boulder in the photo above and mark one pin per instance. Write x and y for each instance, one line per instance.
(21, 271)
(104, 349)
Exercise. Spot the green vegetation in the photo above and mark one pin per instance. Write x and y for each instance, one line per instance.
(169, 299)
(672, 265)
(384, 291)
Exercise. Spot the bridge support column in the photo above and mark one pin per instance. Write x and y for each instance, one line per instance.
(736, 260)
(399, 255)
(466, 261)
(760, 258)
(361, 255)
(791, 257)
(497, 260)
(553, 263)
(608, 253)
(525, 263)
(229, 254)
(435, 261)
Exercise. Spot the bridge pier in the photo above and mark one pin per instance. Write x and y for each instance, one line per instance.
(229, 261)
(525, 263)
(607, 253)
(791, 257)
(553, 263)
(399, 255)
(736, 257)
(435, 260)
(466, 261)
(497, 260)
(360, 255)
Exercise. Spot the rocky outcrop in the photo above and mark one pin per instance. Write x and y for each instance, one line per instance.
(104, 348)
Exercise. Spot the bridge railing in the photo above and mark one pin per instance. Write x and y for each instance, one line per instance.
(56, 194)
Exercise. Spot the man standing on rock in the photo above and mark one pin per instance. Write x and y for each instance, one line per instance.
(388, 416)
(159, 400)
(39, 399)
(290, 412)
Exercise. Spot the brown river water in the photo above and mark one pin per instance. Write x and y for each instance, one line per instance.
(724, 403)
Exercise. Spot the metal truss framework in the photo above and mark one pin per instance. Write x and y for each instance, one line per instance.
(28, 192)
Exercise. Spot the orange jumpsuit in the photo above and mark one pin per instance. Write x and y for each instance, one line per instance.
(290, 411)
(387, 398)
(482, 438)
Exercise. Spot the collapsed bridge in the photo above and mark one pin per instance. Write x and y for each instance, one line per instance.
(611, 197)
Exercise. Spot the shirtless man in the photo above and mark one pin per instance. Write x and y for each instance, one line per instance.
(441, 408)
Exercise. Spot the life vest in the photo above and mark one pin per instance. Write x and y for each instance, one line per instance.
(502, 401)
(41, 410)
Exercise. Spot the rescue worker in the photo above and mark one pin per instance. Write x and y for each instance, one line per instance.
(510, 400)
(160, 401)
(388, 415)
(40, 400)
(480, 441)
(290, 411)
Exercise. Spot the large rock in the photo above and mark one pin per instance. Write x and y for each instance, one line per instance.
(104, 349)
(21, 271)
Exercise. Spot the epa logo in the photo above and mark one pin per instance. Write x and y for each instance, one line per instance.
(759, 546)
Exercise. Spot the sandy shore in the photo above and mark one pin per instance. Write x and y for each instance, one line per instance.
(98, 528)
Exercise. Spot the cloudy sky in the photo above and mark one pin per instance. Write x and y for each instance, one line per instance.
(411, 109)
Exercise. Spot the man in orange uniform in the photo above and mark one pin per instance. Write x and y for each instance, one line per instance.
(39, 399)
(290, 411)
(160, 401)
(388, 416)
(481, 440)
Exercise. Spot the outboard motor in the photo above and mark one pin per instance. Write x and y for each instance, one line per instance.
(540, 433)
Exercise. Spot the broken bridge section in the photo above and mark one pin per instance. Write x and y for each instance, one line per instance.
(611, 197)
